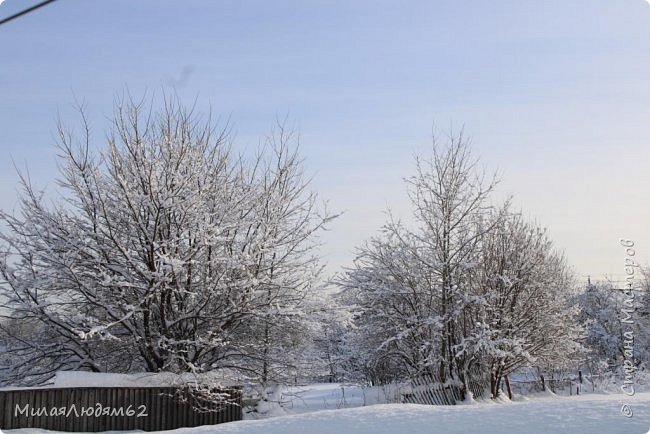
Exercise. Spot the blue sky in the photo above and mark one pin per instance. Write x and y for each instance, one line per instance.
(555, 95)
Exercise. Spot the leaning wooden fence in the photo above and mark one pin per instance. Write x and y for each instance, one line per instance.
(428, 389)
(113, 408)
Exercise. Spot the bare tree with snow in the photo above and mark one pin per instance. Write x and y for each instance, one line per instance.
(166, 252)
(472, 288)
(524, 315)
(418, 279)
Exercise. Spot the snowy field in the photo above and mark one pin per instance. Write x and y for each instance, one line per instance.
(323, 408)
(587, 414)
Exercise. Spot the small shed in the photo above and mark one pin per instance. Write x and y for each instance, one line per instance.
(89, 402)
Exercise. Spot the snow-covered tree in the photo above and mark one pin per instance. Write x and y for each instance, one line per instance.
(601, 312)
(450, 198)
(332, 351)
(412, 286)
(643, 315)
(600, 306)
(472, 288)
(396, 330)
(166, 252)
(524, 314)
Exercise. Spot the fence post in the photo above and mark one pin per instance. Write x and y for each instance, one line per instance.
(508, 388)
(580, 381)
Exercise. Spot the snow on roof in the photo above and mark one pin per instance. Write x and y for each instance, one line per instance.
(78, 379)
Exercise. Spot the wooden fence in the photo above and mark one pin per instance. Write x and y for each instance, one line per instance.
(113, 409)
(428, 389)
(572, 385)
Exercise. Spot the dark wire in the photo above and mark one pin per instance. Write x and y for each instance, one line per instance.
(26, 11)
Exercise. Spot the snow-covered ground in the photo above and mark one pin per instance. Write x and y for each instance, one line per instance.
(585, 414)
(322, 408)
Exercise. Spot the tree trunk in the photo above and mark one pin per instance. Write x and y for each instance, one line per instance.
(508, 388)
